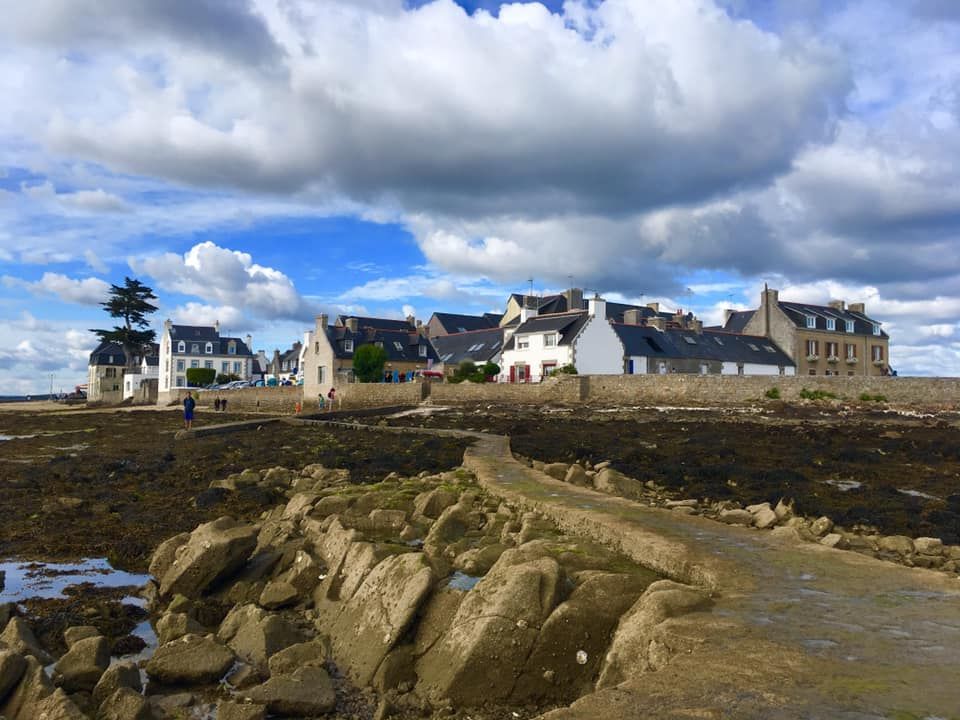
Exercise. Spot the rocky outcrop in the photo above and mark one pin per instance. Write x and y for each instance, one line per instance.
(125, 704)
(641, 642)
(12, 666)
(214, 551)
(120, 675)
(83, 664)
(376, 616)
(255, 634)
(308, 692)
(480, 656)
(18, 636)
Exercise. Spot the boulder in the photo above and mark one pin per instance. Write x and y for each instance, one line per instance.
(125, 704)
(18, 636)
(784, 510)
(754, 509)
(613, 482)
(449, 527)
(602, 465)
(928, 546)
(279, 477)
(377, 615)
(362, 557)
(567, 653)
(765, 518)
(821, 526)
(124, 674)
(278, 594)
(82, 665)
(254, 634)
(557, 470)
(229, 710)
(300, 504)
(12, 666)
(478, 561)
(330, 505)
(166, 553)
(532, 527)
(899, 544)
(23, 701)
(576, 475)
(79, 632)
(306, 693)
(174, 625)
(334, 545)
(396, 670)
(381, 520)
(736, 517)
(637, 633)
(214, 551)
(834, 540)
(190, 660)
(56, 706)
(286, 661)
(482, 651)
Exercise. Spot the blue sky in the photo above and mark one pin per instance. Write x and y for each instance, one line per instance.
(257, 163)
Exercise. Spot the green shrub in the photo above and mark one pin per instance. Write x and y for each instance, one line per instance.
(816, 395)
(224, 378)
(490, 369)
(867, 397)
(568, 369)
(200, 377)
(368, 362)
(773, 393)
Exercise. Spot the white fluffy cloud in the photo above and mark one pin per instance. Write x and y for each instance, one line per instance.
(244, 291)
(88, 291)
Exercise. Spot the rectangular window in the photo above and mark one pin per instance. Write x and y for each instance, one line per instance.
(813, 347)
(181, 364)
(180, 381)
(321, 375)
(194, 363)
(811, 321)
(550, 340)
(423, 351)
(208, 364)
(851, 352)
(877, 352)
(231, 349)
(831, 324)
(849, 324)
(831, 350)
(811, 371)
(348, 345)
(237, 367)
(523, 343)
(316, 348)
(225, 366)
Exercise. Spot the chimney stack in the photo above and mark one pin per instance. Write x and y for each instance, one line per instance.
(322, 320)
(837, 305)
(655, 306)
(574, 298)
(633, 316)
(529, 308)
(353, 324)
(216, 326)
(597, 307)
(411, 320)
(857, 308)
(727, 314)
(657, 322)
(249, 341)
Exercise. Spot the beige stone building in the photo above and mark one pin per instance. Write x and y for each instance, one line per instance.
(835, 339)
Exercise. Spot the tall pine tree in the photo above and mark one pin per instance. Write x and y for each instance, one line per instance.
(130, 303)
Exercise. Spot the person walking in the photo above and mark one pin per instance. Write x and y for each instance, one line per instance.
(216, 405)
(223, 405)
(189, 404)
(331, 397)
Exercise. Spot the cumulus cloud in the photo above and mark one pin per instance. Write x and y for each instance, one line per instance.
(88, 291)
(229, 279)
(34, 349)
(94, 200)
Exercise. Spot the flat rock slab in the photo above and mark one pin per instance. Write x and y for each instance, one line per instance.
(190, 660)
(306, 693)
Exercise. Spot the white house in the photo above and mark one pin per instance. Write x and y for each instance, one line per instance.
(542, 344)
(191, 346)
(149, 369)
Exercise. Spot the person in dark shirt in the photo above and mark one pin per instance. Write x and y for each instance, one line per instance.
(188, 406)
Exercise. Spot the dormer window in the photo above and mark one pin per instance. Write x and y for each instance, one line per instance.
(348, 345)
(811, 321)
(232, 348)
(209, 348)
(195, 348)
(831, 324)
(398, 346)
(876, 328)
(849, 325)
(181, 346)
(422, 350)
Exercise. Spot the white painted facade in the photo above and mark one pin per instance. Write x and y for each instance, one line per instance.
(132, 381)
(732, 368)
(176, 356)
(597, 350)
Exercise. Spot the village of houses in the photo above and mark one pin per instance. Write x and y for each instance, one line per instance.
(535, 337)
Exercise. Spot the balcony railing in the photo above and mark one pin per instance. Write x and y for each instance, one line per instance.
(812, 358)
(851, 361)
(832, 359)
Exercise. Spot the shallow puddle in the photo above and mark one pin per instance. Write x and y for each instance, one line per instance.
(26, 580)
(462, 581)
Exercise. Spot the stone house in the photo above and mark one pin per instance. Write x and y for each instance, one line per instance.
(106, 372)
(328, 355)
(835, 339)
(285, 366)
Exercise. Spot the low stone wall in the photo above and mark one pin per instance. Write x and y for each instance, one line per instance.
(554, 390)
(275, 400)
(731, 389)
(363, 395)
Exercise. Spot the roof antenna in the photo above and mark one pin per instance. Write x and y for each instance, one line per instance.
(530, 280)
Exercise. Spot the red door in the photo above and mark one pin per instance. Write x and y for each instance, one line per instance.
(513, 373)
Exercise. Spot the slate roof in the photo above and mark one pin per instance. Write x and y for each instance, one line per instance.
(798, 313)
(202, 335)
(400, 345)
(455, 323)
(477, 345)
(111, 353)
(639, 340)
(551, 304)
(567, 325)
(379, 323)
(738, 320)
